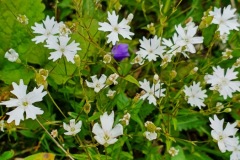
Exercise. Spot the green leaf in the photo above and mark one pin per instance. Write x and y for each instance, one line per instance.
(122, 101)
(7, 155)
(95, 116)
(180, 155)
(41, 156)
(12, 72)
(18, 36)
(132, 80)
(28, 133)
(61, 71)
(186, 122)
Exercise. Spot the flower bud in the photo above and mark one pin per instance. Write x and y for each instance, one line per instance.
(87, 107)
(227, 110)
(150, 126)
(173, 74)
(151, 28)
(22, 19)
(125, 119)
(227, 54)
(112, 79)
(155, 79)
(107, 58)
(77, 60)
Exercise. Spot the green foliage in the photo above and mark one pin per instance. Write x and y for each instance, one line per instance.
(173, 119)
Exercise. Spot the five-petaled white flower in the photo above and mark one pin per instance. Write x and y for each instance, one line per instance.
(225, 137)
(195, 95)
(24, 102)
(151, 48)
(115, 28)
(97, 84)
(106, 134)
(186, 37)
(226, 21)
(11, 55)
(47, 30)
(63, 48)
(73, 128)
(152, 92)
(223, 82)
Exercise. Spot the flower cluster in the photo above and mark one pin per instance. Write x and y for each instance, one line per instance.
(56, 35)
(226, 138)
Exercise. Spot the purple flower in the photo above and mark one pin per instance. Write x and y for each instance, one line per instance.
(120, 52)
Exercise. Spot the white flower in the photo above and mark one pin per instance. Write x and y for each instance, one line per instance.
(151, 48)
(223, 82)
(2, 125)
(224, 37)
(63, 48)
(235, 153)
(106, 134)
(138, 59)
(237, 63)
(150, 135)
(224, 137)
(226, 21)
(195, 95)
(54, 133)
(97, 84)
(126, 119)
(122, 28)
(24, 102)
(11, 55)
(64, 30)
(227, 54)
(47, 30)
(111, 93)
(112, 79)
(186, 37)
(173, 152)
(73, 128)
(152, 92)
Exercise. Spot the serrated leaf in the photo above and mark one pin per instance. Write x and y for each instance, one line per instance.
(122, 101)
(17, 35)
(41, 156)
(132, 80)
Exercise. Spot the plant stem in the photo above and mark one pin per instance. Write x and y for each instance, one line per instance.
(55, 140)
(56, 104)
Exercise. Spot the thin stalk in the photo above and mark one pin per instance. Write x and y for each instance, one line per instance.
(55, 140)
(56, 104)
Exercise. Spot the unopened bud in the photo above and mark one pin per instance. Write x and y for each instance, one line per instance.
(77, 60)
(150, 126)
(107, 58)
(151, 28)
(22, 19)
(173, 74)
(155, 79)
(87, 107)
(227, 110)
(112, 79)
(130, 17)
